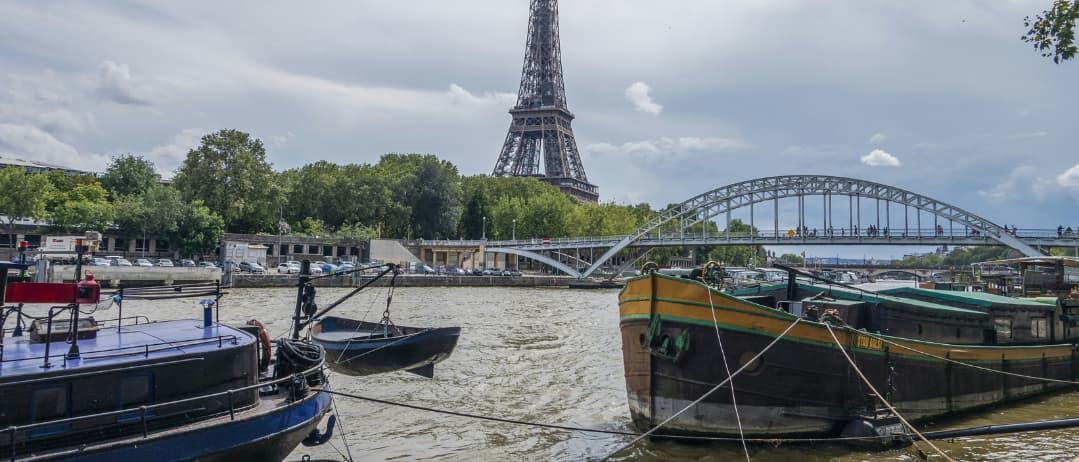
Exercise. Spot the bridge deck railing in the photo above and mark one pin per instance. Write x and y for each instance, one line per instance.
(765, 235)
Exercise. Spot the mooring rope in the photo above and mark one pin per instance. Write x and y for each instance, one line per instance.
(343, 432)
(726, 367)
(880, 396)
(360, 355)
(975, 366)
(707, 394)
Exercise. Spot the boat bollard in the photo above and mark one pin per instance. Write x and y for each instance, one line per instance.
(207, 313)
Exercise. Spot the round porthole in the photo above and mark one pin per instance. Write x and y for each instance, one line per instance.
(753, 366)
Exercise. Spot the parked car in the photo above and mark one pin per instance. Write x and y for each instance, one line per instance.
(477, 272)
(208, 264)
(346, 266)
(455, 271)
(252, 267)
(164, 262)
(424, 269)
(492, 271)
(328, 268)
(118, 261)
(187, 263)
(286, 268)
(511, 273)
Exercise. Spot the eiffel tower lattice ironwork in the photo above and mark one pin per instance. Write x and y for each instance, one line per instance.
(540, 128)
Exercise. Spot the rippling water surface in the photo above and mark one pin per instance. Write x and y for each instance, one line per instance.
(550, 356)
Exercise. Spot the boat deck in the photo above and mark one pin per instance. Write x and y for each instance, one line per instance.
(114, 347)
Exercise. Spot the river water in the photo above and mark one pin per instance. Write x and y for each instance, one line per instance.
(551, 356)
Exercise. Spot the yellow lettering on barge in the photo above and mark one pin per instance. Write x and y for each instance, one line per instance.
(869, 343)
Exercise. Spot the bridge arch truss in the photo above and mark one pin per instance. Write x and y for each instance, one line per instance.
(721, 201)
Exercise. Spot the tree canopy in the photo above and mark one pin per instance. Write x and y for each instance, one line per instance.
(229, 173)
(24, 196)
(1052, 32)
(129, 174)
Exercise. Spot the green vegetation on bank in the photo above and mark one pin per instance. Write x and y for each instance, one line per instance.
(226, 184)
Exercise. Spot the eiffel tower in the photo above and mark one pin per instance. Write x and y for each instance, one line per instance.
(540, 128)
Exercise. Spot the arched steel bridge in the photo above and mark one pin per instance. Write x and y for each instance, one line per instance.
(686, 224)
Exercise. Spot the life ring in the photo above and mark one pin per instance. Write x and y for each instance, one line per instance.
(264, 345)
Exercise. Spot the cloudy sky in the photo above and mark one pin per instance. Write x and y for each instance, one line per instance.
(672, 98)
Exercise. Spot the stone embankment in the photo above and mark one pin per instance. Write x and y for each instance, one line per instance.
(405, 280)
(130, 276)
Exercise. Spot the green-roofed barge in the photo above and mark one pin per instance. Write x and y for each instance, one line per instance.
(930, 353)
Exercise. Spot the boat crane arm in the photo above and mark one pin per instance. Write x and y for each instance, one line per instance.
(389, 268)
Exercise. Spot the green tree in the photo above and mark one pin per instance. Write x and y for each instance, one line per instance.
(1052, 32)
(127, 215)
(162, 207)
(25, 196)
(230, 174)
(426, 192)
(738, 255)
(82, 208)
(792, 259)
(198, 230)
(129, 174)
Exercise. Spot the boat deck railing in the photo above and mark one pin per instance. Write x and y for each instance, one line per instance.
(143, 350)
(120, 322)
(146, 412)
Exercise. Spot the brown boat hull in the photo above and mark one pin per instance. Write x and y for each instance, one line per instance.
(802, 386)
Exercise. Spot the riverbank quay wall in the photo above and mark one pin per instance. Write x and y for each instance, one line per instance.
(281, 280)
(130, 276)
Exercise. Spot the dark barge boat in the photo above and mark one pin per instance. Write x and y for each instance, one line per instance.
(363, 348)
(914, 345)
(126, 389)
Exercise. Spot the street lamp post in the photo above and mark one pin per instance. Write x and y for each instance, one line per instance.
(484, 228)
(514, 230)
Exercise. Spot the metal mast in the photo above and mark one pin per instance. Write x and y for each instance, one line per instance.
(540, 127)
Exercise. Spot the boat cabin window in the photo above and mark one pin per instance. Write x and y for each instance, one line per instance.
(49, 403)
(134, 390)
(1038, 328)
(1003, 327)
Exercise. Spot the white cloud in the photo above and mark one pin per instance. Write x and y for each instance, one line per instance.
(877, 138)
(459, 95)
(638, 94)
(1070, 178)
(880, 158)
(278, 141)
(1023, 182)
(116, 84)
(42, 100)
(32, 143)
(1035, 134)
(168, 157)
(666, 148)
